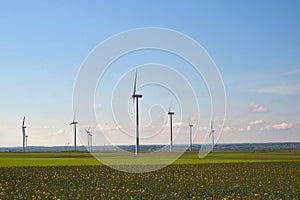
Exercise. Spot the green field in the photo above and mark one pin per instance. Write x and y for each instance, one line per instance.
(220, 175)
(70, 158)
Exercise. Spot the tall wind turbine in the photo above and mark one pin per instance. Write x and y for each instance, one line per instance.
(212, 134)
(90, 142)
(23, 134)
(74, 123)
(135, 98)
(190, 125)
(171, 127)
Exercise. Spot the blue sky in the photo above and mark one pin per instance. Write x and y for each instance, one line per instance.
(255, 45)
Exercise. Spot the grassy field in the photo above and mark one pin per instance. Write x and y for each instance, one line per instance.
(70, 158)
(220, 175)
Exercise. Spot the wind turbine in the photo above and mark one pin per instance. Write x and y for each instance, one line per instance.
(171, 127)
(89, 135)
(212, 134)
(190, 125)
(26, 137)
(74, 123)
(23, 134)
(135, 98)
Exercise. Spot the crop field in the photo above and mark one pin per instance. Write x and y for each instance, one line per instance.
(221, 175)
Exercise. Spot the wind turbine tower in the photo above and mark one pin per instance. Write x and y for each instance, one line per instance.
(90, 142)
(26, 142)
(135, 98)
(212, 134)
(190, 125)
(74, 123)
(23, 134)
(170, 113)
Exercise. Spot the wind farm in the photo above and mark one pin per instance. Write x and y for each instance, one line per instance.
(85, 100)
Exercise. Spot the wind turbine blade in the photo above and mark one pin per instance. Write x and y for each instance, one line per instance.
(134, 86)
(74, 116)
(23, 124)
(170, 106)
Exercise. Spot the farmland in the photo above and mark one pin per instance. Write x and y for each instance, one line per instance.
(221, 175)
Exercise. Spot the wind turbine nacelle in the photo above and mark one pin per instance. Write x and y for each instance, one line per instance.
(136, 96)
(24, 127)
(171, 113)
(73, 123)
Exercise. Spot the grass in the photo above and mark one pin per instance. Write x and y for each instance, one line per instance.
(83, 158)
(240, 157)
(47, 159)
(261, 180)
(220, 175)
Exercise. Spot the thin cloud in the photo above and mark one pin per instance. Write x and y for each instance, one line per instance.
(293, 72)
(97, 106)
(256, 122)
(227, 129)
(249, 128)
(202, 128)
(175, 125)
(232, 129)
(280, 126)
(106, 128)
(46, 127)
(257, 108)
(60, 132)
(282, 90)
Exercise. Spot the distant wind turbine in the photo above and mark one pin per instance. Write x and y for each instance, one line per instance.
(23, 134)
(190, 125)
(74, 123)
(212, 134)
(90, 142)
(171, 127)
(135, 98)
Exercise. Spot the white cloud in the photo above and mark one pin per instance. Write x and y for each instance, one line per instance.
(60, 132)
(105, 128)
(293, 72)
(227, 128)
(257, 108)
(240, 129)
(249, 128)
(256, 122)
(282, 90)
(279, 126)
(97, 106)
(175, 124)
(202, 128)
(252, 124)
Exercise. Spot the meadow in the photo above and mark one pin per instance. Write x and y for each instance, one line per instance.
(220, 175)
